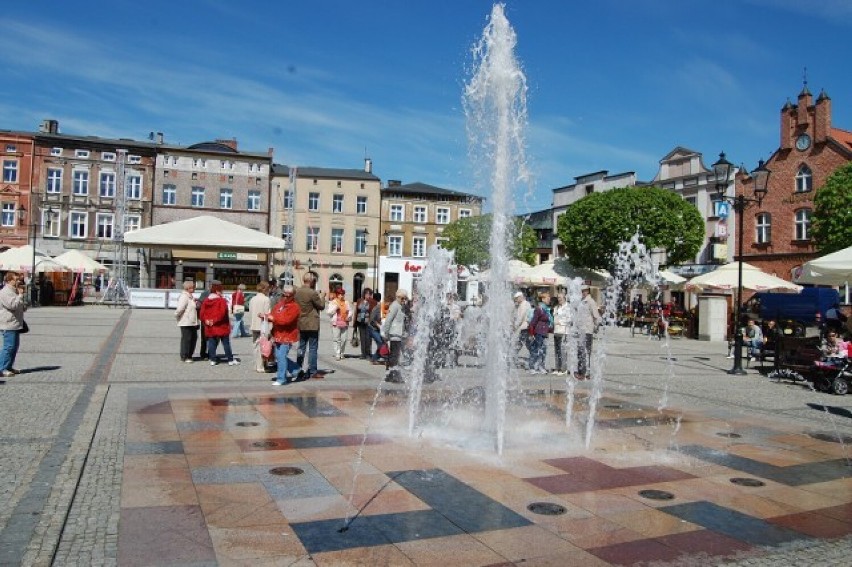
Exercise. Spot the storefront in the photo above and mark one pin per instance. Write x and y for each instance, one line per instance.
(406, 273)
(201, 266)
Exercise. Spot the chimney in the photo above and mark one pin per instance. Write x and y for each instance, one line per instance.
(232, 143)
(394, 183)
(787, 129)
(822, 118)
(160, 138)
(270, 152)
(368, 165)
(804, 107)
(49, 126)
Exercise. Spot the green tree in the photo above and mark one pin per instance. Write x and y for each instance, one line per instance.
(593, 227)
(832, 218)
(469, 238)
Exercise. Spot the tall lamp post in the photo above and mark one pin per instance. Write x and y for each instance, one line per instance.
(31, 238)
(722, 170)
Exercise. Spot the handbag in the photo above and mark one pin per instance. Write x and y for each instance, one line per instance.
(24, 329)
(356, 342)
(384, 350)
(239, 309)
(263, 342)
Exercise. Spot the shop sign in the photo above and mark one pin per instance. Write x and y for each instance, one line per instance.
(226, 255)
(359, 265)
(413, 268)
(721, 230)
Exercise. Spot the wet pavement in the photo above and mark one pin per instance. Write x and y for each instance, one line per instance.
(119, 454)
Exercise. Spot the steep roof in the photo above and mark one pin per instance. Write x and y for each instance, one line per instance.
(842, 137)
(424, 189)
(324, 172)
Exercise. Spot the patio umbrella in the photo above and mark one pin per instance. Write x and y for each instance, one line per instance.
(725, 278)
(516, 270)
(79, 262)
(543, 274)
(596, 278)
(832, 269)
(20, 259)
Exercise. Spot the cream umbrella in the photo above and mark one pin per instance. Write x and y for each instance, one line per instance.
(79, 262)
(20, 259)
(832, 269)
(515, 271)
(725, 278)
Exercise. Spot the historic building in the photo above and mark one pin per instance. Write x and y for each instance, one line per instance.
(330, 218)
(777, 235)
(76, 182)
(216, 179)
(413, 217)
(16, 208)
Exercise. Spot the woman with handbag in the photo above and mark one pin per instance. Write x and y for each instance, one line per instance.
(341, 316)
(285, 333)
(259, 306)
(217, 324)
(187, 320)
(362, 322)
(12, 323)
(238, 309)
(395, 330)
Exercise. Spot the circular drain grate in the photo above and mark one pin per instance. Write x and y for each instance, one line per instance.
(748, 482)
(286, 471)
(729, 435)
(831, 438)
(546, 508)
(247, 424)
(264, 444)
(656, 494)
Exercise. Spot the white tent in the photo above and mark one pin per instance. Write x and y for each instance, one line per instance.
(597, 278)
(516, 270)
(725, 278)
(543, 274)
(79, 262)
(832, 269)
(204, 232)
(21, 260)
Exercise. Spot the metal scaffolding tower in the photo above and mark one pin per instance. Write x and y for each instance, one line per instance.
(117, 292)
(289, 262)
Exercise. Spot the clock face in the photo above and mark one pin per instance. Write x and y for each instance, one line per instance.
(803, 142)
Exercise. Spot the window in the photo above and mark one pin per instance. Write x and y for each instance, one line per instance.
(394, 245)
(132, 222)
(418, 246)
(56, 151)
(396, 213)
(288, 200)
(419, 213)
(361, 205)
(107, 184)
(81, 154)
(196, 162)
(11, 148)
(10, 171)
(361, 241)
(803, 224)
(442, 215)
(104, 225)
(50, 222)
(312, 239)
(804, 179)
(8, 216)
(134, 159)
(465, 213)
(78, 224)
(107, 156)
(81, 182)
(134, 186)
(763, 228)
(253, 203)
(287, 234)
(313, 201)
(197, 197)
(54, 180)
(336, 240)
(169, 194)
(226, 198)
(440, 241)
(337, 203)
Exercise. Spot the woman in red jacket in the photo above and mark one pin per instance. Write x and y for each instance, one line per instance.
(285, 333)
(217, 324)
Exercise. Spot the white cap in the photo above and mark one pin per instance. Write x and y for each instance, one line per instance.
(518, 294)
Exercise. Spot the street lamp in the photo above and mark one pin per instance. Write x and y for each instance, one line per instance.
(722, 170)
(31, 239)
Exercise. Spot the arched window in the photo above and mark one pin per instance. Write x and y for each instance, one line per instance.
(335, 281)
(803, 224)
(763, 228)
(804, 179)
(286, 278)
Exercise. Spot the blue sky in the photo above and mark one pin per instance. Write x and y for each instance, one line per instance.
(613, 85)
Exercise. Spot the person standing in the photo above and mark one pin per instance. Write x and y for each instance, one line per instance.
(588, 318)
(259, 305)
(521, 323)
(238, 310)
(561, 328)
(187, 319)
(395, 332)
(362, 321)
(310, 304)
(12, 307)
(201, 330)
(539, 329)
(285, 333)
(341, 317)
(375, 328)
(217, 324)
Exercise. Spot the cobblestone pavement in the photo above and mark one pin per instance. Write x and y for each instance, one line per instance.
(103, 394)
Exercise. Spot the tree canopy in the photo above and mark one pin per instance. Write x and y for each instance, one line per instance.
(469, 238)
(594, 226)
(832, 217)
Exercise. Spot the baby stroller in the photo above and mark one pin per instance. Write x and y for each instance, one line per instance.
(833, 375)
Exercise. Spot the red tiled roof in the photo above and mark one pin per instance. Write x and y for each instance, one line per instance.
(842, 136)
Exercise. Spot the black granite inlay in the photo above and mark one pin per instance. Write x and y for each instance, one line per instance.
(153, 448)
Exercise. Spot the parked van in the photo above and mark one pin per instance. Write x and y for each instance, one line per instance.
(794, 312)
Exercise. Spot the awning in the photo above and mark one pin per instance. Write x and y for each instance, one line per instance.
(204, 232)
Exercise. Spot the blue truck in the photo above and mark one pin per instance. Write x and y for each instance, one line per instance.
(793, 312)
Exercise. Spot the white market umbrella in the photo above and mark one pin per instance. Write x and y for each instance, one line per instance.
(543, 274)
(515, 268)
(79, 262)
(20, 259)
(596, 278)
(832, 269)
(725, 278)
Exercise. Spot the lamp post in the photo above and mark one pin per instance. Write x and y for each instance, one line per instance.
(31, 239)
(722, 171)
